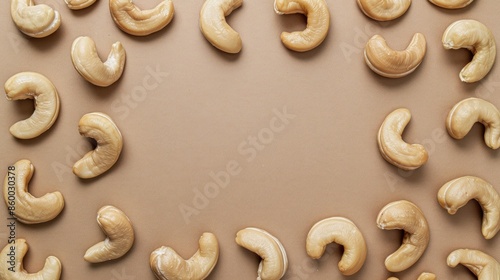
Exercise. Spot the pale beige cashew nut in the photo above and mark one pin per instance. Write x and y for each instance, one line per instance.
(391, 145)
(214, 27)
(484, 266)
(29, 209)
(134, 21)
(167, 264)
(79, 4)
(88, 64)
(50, 271)
(477, 38)
(422, 276)
(343, 232)
(36, 21)
(406, 216)
(392, 63)
(100, 127)
(318, 23)
(467, 112)
(119, 236)
(274, 259)
(458, 192)
(30, 85)
(451, 4)
(384, 10)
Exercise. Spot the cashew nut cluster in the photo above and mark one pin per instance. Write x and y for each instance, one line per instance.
(30, 85)
(451, 4)
(391, 63)
(318, 23)
(36, 21)
(467, 112)
(456, 193)
(384, 10)
(423, 276)
(274, 259)
(79, 4)
(343, 232)
(391, 145)
(214, 27)
(484, 266)
(476, 37)
(167, 264)
(119, 236)
(408, 217)
(134, 21)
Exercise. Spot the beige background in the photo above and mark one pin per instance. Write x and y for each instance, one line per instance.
(191, 119)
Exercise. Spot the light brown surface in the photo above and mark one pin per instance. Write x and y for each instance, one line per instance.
(323, 163)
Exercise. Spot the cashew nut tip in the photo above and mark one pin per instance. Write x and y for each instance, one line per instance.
(318, 23)
(343, 232)
(408, 217)
(477, 38)
(29, 209)
(134, 21)
(100, 127)
(119, 236)
(30, 85)
(391, 145)
(423, 276)
(79, 4)
(451, 4)
(384, 10)
(458, 192)
(36, 21)
(167, 264)
(50, 271)
(214, 27)
(484, 266)
(390, 63)
(467, 112)
(274, 259)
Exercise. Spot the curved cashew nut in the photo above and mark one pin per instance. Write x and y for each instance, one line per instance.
(134, 21)
(274, 259)
(451, 4)
(394, 64)
(485, 267)
(87, 62)
(476, 37)
(167, 264)
(119, 236)
(467, 112)
(36, 21)
(51, 270)
(214, 27)
(391, 145)
(457, 193)
(384, 10)
(30, 85)
(318, 23)
(423, 276)
(27, 208)
(100, 127)
(408, 217)
(79, 4)
(344, 232)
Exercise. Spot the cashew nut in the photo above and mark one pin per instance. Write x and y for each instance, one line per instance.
(119, 236)
(344, 232)
(87, 62)
(167, 264)
(457, 193)
(318, 23)
(485, 267)
(394, 64)
(79, 4)
(423, 276)
(451, 4)
(274, 261)
(467, 112)
(384, 10)
(100, 127)
(477, 38)
(30, 85)
(134, 21)
(406, 216)
(214, 27)
(51, 270)
(36, 21)
(393, 148)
